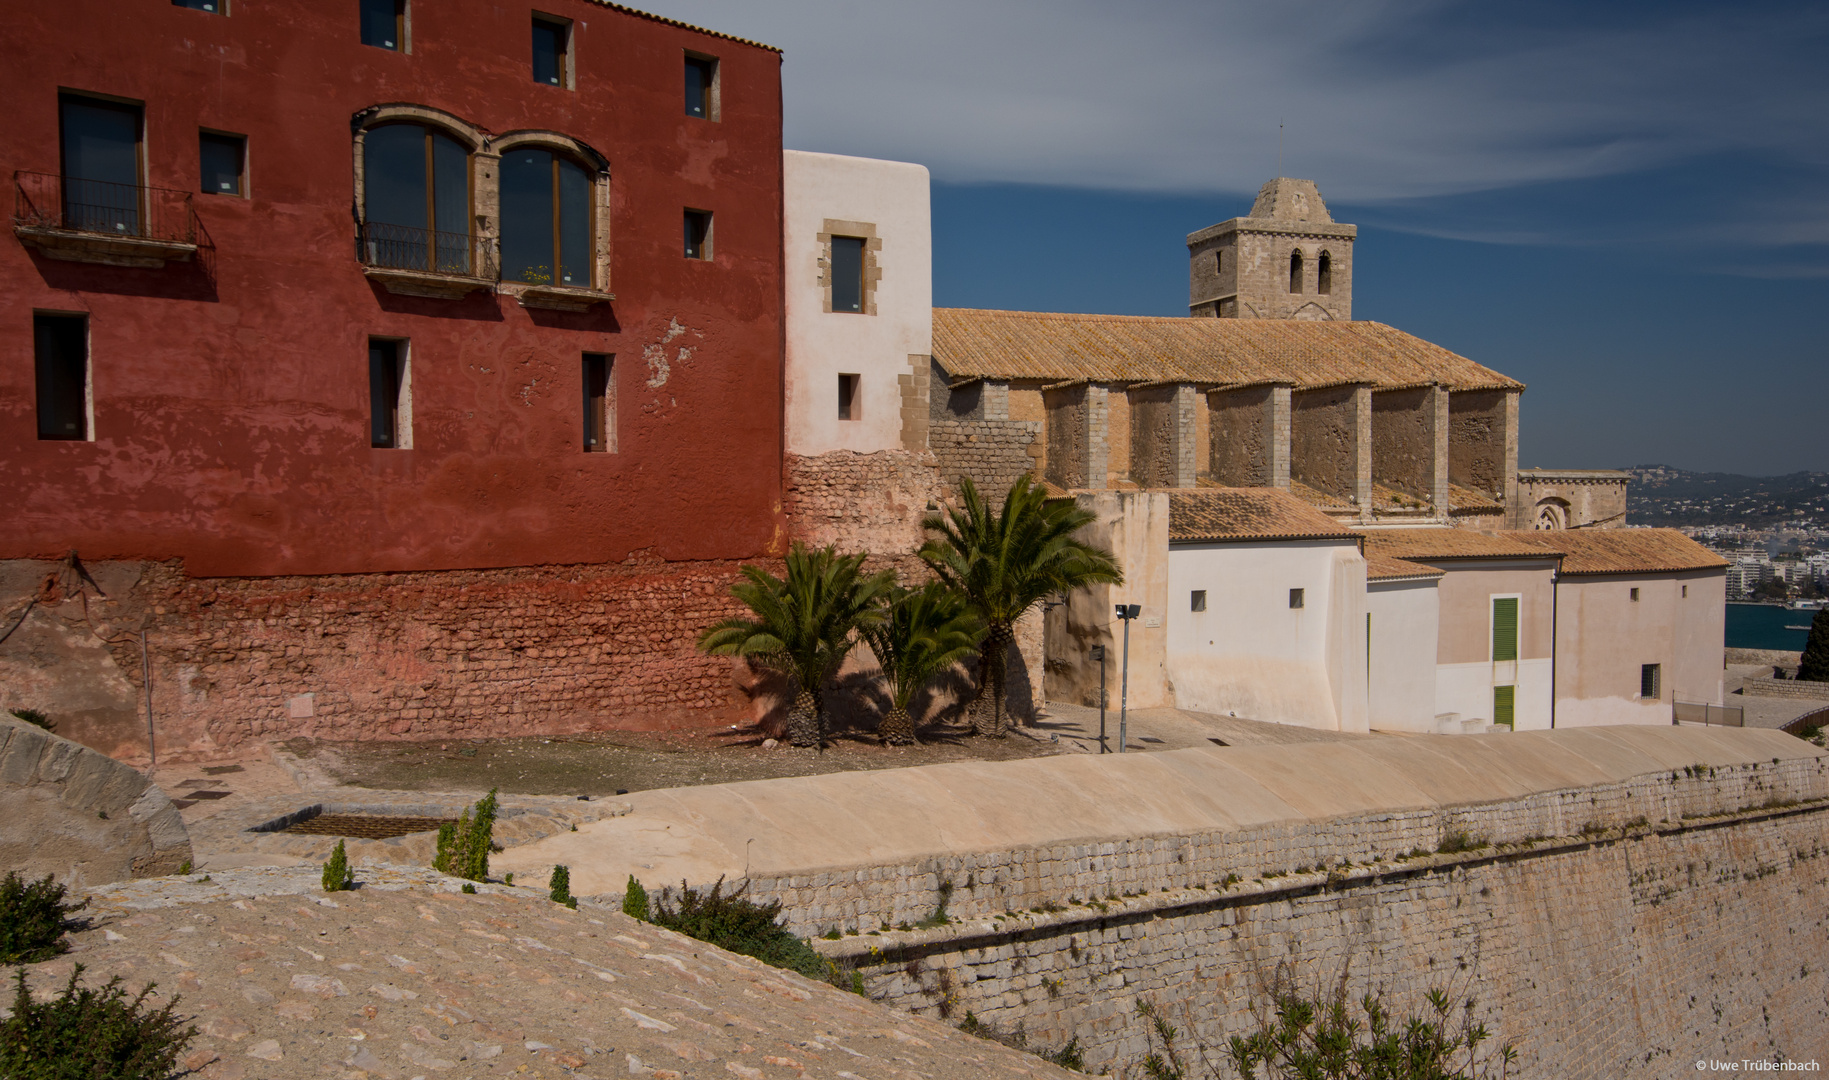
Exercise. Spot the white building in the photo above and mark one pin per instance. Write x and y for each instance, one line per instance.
(859, 310)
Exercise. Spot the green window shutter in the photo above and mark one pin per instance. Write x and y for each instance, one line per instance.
(1505, 628)
(1502, 698)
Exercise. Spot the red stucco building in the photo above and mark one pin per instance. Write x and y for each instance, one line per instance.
(375, 344)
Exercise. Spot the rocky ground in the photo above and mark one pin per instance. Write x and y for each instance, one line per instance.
(409, 978)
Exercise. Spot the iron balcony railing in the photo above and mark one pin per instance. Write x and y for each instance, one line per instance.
(74, 204)
(402, 247)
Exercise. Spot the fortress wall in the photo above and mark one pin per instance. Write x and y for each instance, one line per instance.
(824, 503)
(1605, 959)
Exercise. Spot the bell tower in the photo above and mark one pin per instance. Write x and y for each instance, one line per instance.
(1286, 259)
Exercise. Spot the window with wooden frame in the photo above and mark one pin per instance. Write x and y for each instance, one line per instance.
(702, 86)
(416, 200)
(546, 219)
(390, 398)
(103, 164)
(698, 234)
(61, 363)
(384, 24)
(222, 163)
(214, 7)
(847, 398)
(599, 403)
(552, 51)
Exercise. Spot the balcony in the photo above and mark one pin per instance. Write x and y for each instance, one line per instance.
(424, 262)
(95, 221)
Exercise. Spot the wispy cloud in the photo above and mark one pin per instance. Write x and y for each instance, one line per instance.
(1382, 101)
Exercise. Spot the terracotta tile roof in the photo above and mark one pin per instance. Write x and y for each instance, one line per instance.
(1624, 551)
(1467, 500)
(1429, 545)
(1382, 567)
(1217, 514)
(974, 343)
(637, 12)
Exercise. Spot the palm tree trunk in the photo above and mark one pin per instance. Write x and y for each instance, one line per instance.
(989, 720)
(803, 720)
(897, 728)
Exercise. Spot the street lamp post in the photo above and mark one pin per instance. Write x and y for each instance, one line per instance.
(1098, 653)
(1126, 612)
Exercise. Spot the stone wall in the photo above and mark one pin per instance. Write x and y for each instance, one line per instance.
(1248, 436)
(454, 653)
(992, 452)
(80, 815)
(1326, 436)
(861, 502)
(1477, 438)
(1572, 498)
(1162, 436)
(1787, 688)
(1407, 454)
(1697, 895)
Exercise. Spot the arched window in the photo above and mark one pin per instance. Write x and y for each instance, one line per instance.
(546, 219)
(1295, 271)
(1324, 274)
(416, 199)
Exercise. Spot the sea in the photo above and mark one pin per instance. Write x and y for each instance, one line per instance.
(1766, 626)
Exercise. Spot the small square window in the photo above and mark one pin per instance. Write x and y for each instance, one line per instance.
(390, 408)
(702, 87)
(1648, 680)
(848, 273)
(1295, 598)
(698, 234)
(223, 160)
(61, 345)
(847, 397)
(552, 40)
(216, 7)
(599, 404)
(384, 24)
(1685, 592)
(1197, 600)
(1635, 596)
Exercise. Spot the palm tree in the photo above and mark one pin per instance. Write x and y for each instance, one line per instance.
(923, 632)
(1005, 563)
(803, 625)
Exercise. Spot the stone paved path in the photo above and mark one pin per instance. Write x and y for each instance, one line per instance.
(408, 977)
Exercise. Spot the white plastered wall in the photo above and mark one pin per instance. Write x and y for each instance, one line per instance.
(1405, 624)
(1249, 653)
(892, 196)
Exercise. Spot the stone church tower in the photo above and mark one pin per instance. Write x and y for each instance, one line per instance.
(1287, 259)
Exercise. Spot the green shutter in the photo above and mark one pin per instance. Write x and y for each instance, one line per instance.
(1505, 628)
(1502, 697)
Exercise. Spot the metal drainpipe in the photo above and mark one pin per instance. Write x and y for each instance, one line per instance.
(1555, 595)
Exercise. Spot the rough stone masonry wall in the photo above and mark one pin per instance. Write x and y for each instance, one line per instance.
(454, 653)
(1403, 440)
(1324, 440)
(1614, 931)
(861, 502)
(994, 453)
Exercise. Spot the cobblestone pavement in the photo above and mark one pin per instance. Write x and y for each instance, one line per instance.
(407, 977)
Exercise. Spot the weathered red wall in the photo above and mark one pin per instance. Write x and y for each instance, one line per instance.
(231, 411)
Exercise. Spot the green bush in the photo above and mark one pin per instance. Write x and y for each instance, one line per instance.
(561, 886)
(741, 925)
(87, 1034)
(635, 900)
(33, 716)
(33, 919)
(337, 875)
(463, 847)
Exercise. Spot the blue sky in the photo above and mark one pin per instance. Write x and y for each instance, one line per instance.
(1624, 205)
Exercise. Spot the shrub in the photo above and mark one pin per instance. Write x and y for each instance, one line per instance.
(85, 1033)
(463, 847)
(33, 716)
(1312, 1038)
(337, 875)
(561, 885)
(741, 925)
(33, 918)
(635, 900)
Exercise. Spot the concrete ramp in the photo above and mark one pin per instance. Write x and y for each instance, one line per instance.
(800, 826)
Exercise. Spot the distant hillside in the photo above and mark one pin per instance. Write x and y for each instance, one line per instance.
(1661, 495)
